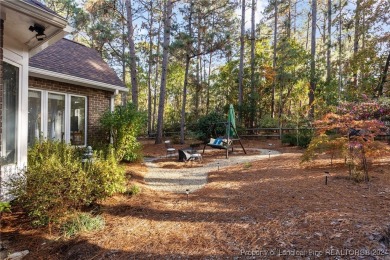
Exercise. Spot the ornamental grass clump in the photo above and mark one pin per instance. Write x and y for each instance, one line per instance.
(82, 222)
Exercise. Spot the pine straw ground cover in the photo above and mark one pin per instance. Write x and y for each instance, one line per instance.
(261, 208)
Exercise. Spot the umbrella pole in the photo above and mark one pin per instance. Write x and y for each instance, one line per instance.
(228, 138)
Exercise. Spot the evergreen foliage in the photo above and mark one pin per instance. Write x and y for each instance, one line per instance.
(56, 182)
(124, 124)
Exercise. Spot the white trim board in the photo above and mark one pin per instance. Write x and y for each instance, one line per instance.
(35, 12)
(46, 74)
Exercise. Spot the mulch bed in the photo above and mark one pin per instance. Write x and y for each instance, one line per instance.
(269, 207)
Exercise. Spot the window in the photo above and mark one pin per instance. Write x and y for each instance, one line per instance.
(77, 120)
(10, 112)
(56, 116)
(34, 116)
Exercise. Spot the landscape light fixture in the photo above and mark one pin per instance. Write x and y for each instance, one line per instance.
(188, 193)
(326, 177)
(40, 31)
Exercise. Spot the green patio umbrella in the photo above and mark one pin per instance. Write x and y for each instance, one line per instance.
(232, 121)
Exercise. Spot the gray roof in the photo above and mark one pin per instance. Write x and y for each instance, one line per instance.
(74, 59)
(38, 4)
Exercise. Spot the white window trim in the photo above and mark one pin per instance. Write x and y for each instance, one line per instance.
(18, 113)
(66, 111)
(85, 117)
(44, 112)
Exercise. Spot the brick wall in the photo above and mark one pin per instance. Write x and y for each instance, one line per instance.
(98, 101)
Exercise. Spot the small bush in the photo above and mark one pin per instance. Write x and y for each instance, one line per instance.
(105, 177)
(5, 207)
(202, 128)
(303, 140)
(175, 139)
(134, 190)
(269, 122)
(247, 165)
(83, 222)
(53, 183)
(56, 182)
(358, 175)
(124, 124)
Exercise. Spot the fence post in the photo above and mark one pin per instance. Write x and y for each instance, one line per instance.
(280, 132)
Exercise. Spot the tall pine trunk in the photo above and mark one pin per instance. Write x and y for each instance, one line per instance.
(307, 30)
(133, 58)
(188, 59)
(123, 42)
(241, 69)
(208, 85)
(150, 68)
(313, 59)
(329, 43)
(340, 49)
(209, 73)
(356, 42)
(198, 70)
(383, 77)
(274, 58)
(253, 42)
(289, 20)
(156, 76)
(164, 67)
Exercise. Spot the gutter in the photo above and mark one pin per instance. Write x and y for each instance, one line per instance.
(46, 74)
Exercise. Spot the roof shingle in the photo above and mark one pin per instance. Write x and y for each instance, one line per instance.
(40, 5)
(74, 59)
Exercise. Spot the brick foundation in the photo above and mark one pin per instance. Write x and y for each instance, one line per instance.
(98, 101)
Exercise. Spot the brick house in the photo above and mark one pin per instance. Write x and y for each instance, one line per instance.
(50, 87)
(71, 86)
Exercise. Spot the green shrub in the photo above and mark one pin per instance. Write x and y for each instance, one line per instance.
(268, 122)
(56, 182)
(82, 222)
(5, 207)
(202, 128)
(105, 177)
(53, 183)
(124, 124)
(303, 140)
(134, 190)
(247, 165)
(175, 139)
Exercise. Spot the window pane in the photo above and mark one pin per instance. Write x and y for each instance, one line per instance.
(77, 120)
(34, 116)
(10, 112)
(56, 117)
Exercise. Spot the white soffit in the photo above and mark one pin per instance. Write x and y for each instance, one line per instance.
(55, 76)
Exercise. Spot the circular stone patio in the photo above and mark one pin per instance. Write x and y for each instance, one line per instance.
(179, 180)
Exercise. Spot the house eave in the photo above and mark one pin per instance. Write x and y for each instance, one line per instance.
(58, 35)
(46, 74)
(35, 12)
